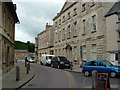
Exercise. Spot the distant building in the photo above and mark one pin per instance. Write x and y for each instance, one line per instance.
(21, 54)
(8, 18)
(36, 48)
(46, 41)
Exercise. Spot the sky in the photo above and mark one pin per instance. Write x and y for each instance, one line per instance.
(33, 16)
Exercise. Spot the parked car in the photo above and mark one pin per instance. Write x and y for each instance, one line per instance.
(103, 66)
(60, 62)
(31, 59)
(46, 59)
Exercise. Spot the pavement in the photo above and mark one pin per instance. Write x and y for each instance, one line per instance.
(76, 68)
(9, 79)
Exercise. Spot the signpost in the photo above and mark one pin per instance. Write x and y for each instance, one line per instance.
(102, 81)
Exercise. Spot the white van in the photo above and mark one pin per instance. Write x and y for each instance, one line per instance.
(46, 59)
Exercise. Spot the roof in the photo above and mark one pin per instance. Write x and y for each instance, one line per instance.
(12, 9)
(21, 50)
(66, 5)
(114, 9)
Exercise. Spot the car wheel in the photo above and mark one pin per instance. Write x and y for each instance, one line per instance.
(113, 74)
(41, 63)
(58, 66)
(86, 73)
(52, 65)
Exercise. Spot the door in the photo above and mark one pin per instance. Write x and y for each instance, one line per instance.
(112, 58)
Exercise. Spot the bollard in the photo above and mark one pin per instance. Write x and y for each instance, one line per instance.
(25, 63)
(17, 73)
(28, 65)
(71, 66)
(27, 68)
(94, 79)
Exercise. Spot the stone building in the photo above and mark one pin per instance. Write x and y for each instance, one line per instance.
(80, 30)
(21, 54)
(45, 41)
(113, 29)
(8, 18)
(36, 49)
(67, 27)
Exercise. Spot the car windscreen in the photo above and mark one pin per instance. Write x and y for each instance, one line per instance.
(108, 63)
(62, 58)
(49, 57)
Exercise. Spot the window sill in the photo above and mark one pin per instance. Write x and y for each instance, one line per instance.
(93, 31)
(74, 36)
(83, 10)
(93, 4)
(83, 34)
(74, 14)
(118, 41)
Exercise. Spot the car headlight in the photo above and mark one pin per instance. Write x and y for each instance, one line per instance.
(61, 62)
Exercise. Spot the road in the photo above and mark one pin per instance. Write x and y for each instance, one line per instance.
(47, 77)
(86, 82)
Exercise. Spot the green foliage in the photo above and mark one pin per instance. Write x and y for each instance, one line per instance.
(24, 46)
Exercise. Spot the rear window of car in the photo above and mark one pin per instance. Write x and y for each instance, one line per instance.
(49, 57)
(92, 63)
(62, 58)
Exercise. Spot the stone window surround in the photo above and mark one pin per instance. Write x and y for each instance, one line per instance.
(83, 7)
(94, 23)
(75, 12)
(84, 27)
(92, 3)
(75, 30)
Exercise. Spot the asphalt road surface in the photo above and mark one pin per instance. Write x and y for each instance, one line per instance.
(86, 82)
(47, 77)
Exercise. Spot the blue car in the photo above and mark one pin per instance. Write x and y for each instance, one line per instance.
(102, 66)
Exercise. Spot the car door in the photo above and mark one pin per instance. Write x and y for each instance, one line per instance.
(92, 66)
(54, 61)
(101, 67)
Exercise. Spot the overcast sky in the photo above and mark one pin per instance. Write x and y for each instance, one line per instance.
(33, 16)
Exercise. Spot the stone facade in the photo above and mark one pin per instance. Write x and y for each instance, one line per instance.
(7, 30)
(36, 48)
(113, 29)
(45, 41)
(67, 27)
(81, 31)
(85, 39)
(21, 54)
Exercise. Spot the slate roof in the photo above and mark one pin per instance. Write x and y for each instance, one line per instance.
(114, 9)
